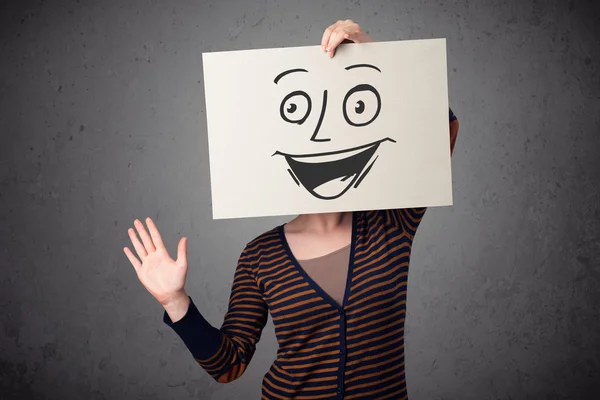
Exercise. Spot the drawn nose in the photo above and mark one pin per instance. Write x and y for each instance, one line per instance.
(314, 137)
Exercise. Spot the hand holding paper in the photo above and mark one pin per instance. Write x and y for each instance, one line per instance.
(336, 33)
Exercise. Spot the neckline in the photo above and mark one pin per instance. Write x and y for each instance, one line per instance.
(304, 260)
(324, 295)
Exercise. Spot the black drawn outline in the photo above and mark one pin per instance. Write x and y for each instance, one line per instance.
(361, 65)
(294, 177)
(356, 165)
(361, 88)
(289, 71)
(289, 96)
(312, 175)
(334, 152)
(313, 138)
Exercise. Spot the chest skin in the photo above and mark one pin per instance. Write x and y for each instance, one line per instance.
(306, 244)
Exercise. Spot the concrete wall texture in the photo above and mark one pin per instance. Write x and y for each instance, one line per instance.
(102, 121)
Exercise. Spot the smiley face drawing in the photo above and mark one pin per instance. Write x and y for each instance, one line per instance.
(327, 175)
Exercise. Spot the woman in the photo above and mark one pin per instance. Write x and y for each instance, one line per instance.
(335, 285)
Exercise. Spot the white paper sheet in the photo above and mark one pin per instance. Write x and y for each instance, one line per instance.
(292, 131)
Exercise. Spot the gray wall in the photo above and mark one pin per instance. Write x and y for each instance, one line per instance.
(102, 121)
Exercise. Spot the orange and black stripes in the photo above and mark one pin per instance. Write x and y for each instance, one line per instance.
(325, 351)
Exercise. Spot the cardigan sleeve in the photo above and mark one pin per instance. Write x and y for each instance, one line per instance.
(409, 219)
(226, 352)
(452, 116)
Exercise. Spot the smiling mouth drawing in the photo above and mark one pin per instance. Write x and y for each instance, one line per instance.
(329, 175)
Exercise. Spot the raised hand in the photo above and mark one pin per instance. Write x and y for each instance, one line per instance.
(340, 31)
(162, 276)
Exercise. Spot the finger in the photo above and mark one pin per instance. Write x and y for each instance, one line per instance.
(144, 235)
(335, 39)
(327, 34)
(139, 248)
(156, 238)
(182, 250)
(134, 261)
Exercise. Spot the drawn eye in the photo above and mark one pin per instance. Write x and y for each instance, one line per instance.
(295, 107)
(361, 105)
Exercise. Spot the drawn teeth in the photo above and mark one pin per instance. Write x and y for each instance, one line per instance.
(328, 157)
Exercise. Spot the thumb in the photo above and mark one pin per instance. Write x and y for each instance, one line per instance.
(182, 251)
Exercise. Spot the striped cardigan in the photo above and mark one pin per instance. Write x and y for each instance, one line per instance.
(355, 351)
(325, 351)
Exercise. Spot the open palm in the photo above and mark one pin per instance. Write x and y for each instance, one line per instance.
(162, 276)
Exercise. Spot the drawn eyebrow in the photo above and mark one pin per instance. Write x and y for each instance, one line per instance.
(362, 65)
(289, 71)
